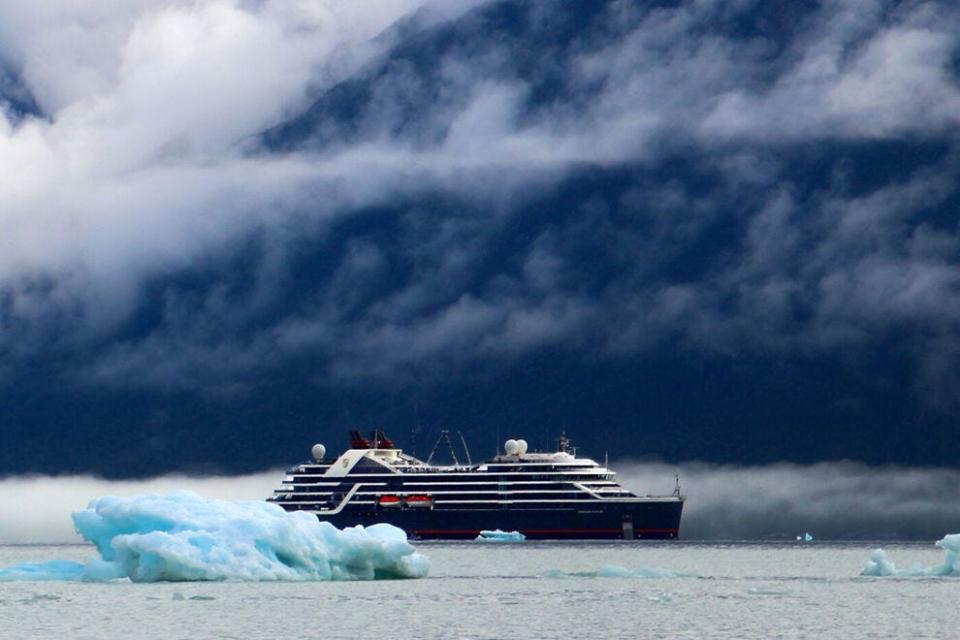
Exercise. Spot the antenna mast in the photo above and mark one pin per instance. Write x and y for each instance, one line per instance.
(444, 435)
(466, 449)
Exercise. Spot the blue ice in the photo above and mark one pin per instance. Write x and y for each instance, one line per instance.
(183, 536)
(880, 565)
(496, 535)
(43, 571)
(616, 571)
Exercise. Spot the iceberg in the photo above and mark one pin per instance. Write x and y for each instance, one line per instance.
(497, 535)
(879, 565)
(183, 536)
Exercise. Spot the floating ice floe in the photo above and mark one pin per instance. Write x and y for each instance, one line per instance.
(805, 538)
(880, 565)
(497, 535)
(183, 536)
(616, 571)
(43, 571)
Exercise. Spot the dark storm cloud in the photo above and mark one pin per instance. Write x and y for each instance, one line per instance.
(477, 186)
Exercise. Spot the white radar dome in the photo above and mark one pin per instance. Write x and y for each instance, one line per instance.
(511, 446)
(521, 447)
(318, 451)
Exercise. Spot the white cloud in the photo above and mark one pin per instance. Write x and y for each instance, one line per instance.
(882, 79)
(139, 168)
(146, 165)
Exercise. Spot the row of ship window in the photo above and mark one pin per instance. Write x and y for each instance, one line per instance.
(500, 487)
(485, 477)
(475, 496)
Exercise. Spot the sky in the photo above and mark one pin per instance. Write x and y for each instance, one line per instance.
(703, 232)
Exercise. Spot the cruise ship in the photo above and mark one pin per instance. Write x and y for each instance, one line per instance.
(552, 495)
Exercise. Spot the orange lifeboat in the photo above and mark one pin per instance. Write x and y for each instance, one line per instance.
(419, 501)
(389, 501)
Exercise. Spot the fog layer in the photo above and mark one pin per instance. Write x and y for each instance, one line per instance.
(837, 500)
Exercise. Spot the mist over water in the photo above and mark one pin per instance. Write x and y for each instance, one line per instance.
(36, 509)
(830, 500)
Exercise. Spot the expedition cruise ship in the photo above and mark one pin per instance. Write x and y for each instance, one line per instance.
(552, 495)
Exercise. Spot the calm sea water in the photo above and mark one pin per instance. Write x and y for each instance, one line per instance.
(551, 590)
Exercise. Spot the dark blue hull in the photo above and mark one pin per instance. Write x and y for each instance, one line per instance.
(653, 520)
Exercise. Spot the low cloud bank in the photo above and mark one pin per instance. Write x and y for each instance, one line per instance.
(833, 500)
(37, 509)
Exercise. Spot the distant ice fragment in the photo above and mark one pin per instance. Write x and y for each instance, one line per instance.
(182, 536)
(42, 571)
(807, 537)
(880, 565)
(616, 571)
(496, 535)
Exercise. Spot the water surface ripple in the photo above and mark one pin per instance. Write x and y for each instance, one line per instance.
(542, 590)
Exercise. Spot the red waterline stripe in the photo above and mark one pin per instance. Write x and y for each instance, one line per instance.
(477, 531)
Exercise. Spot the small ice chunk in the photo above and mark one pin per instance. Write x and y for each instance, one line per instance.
(807, 537)
(496, 535)
(951, 561)
(880, 565)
